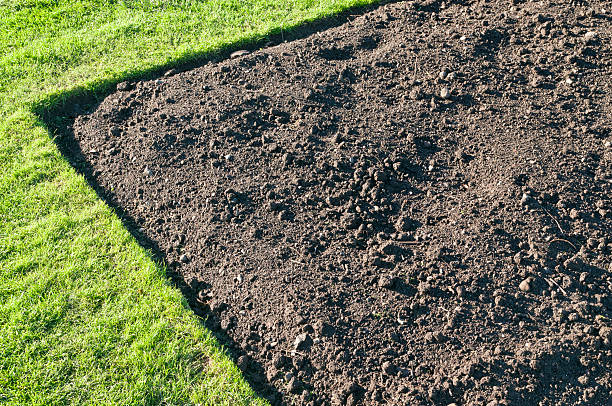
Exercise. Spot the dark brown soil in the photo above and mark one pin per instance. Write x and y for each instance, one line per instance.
(357, 236)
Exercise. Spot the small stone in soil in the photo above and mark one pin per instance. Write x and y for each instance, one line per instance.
(525, 285)
(184, 258)
(445, 93)
(526, 199)
(590, 36)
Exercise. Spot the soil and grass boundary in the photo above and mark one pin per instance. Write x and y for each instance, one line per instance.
(88, 316)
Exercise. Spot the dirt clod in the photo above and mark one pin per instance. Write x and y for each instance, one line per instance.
(302, 342)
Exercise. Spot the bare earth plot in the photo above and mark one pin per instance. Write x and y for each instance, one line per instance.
(410, 208)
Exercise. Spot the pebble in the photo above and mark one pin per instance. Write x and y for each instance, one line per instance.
(525, 285)
(590, 36)
(147, 172)
(184, 258)
(401, 320)
(526, 199)
(445, 93)
(574, 214)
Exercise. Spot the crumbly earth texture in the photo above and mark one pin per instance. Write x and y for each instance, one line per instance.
(413, 207)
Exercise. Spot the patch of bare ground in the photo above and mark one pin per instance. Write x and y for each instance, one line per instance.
(410, 208)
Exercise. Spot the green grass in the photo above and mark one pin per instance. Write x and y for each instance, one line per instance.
(86, 315)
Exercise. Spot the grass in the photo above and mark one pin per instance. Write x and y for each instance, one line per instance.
(86, 315)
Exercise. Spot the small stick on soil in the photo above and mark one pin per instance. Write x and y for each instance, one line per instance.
(552, 281)
(297, 262)
(564, 240)
(555, 220)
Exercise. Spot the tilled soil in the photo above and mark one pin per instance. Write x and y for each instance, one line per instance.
(410, 208)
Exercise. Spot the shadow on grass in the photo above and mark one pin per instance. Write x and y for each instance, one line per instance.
(59, 110)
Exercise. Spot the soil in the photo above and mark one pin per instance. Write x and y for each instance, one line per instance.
(413, 207)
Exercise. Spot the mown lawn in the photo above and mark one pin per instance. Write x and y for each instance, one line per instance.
(86, 315)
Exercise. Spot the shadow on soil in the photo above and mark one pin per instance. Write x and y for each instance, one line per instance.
(59, 110)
